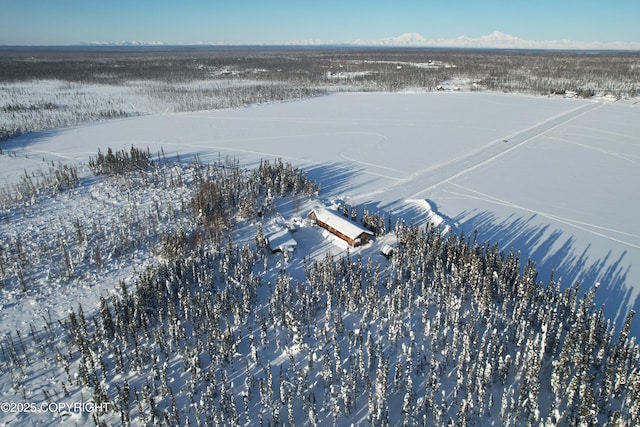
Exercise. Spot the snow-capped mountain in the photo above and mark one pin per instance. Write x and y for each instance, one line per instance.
(407, 39)
(496, 39)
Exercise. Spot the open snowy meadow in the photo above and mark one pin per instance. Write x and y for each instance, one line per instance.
(187, 325)
(553, 178)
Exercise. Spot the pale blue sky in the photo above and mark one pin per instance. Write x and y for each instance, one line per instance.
(62, 22)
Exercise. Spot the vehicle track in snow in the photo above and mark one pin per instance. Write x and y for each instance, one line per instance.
(595, 229)
(421, 183)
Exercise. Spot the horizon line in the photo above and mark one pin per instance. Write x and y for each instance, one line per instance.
(316, 45)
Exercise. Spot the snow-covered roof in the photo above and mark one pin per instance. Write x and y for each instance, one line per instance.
(340, 223)
(281, 241)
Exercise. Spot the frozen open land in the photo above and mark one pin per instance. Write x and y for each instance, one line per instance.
(553, 178)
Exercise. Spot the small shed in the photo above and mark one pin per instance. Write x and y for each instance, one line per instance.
(281, 241)
(387, 250)
(340, 226)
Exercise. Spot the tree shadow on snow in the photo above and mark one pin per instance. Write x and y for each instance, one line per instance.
(555, 251)
(21, 142)
(336, 178)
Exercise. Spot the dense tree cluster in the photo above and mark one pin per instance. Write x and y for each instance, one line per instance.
(227, 189)
(121, 162)
(561, 72)
(377, 222)
(448, 330)
(35, 105)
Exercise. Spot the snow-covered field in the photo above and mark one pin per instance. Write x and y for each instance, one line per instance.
(550, 177)
(553, 178)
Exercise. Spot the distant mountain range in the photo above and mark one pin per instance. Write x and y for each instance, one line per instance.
(496, 40)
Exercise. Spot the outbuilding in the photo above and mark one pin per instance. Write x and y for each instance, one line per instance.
(387, 250)
(281, 241)
(340, 226)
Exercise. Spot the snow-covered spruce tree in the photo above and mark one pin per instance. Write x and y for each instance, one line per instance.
(121, 162)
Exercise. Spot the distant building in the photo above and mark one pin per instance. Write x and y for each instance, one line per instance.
(340, 226)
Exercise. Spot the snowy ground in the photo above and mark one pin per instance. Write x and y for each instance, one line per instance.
(555, 178)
